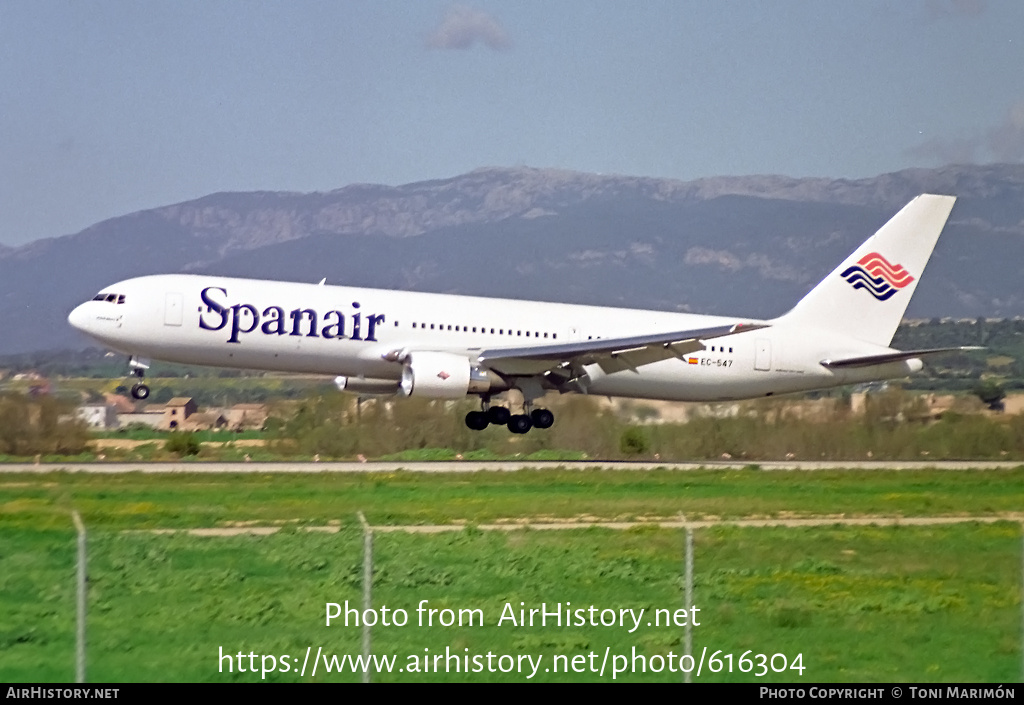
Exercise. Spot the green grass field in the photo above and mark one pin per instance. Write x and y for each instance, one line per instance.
(865, 603)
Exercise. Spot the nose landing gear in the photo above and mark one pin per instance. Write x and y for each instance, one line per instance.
(138, 366)
(140, 391)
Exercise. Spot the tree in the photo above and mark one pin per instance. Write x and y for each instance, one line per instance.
(991, 393)
(40, 425)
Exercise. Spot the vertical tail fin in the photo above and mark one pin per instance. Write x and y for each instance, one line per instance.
(865, 297)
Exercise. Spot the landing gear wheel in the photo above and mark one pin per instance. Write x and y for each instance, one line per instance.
(499, 415)
(140, 391)
(477, 420)
(520, 423)
(542, 418)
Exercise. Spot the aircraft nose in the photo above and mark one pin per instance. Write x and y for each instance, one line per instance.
(79, 317)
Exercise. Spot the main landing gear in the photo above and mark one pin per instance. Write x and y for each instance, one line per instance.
(501, 416)
(138, 370)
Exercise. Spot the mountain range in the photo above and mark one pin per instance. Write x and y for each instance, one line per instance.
(748, 246)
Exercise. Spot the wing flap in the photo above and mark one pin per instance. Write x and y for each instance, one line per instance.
(638, 357)
(612, 354)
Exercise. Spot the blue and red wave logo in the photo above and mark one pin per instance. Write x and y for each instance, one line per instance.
(878, 276)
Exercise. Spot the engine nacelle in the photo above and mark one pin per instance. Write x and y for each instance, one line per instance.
(439, 375)
(367, 385)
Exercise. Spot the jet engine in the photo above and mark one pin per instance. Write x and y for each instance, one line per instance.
(367, 385)
(439, 375)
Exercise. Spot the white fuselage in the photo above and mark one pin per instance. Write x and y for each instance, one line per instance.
(334, 330)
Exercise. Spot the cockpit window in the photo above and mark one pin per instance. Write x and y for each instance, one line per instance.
(110, 298)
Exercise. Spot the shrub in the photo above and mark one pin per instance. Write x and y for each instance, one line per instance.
(991, 393)
(182, 443)
(634, 441)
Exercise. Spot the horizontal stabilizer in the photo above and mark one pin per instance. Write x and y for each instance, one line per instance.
(894, 356)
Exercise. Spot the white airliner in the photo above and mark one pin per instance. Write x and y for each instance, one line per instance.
(447, 347)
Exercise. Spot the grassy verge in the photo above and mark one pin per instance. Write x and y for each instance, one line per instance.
(908, 603)
(861, 604)
(137, 500)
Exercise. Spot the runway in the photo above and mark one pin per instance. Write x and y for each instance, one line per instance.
(491, 466)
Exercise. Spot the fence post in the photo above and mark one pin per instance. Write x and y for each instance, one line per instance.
(367, 583)
(81, 595)
(688, 639)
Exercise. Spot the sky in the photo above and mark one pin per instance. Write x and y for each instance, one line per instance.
(113, 106)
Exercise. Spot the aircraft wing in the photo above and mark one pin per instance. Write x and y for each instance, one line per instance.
(894, 356)
(612, 354)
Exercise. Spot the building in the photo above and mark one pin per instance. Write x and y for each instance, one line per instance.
(212, 420)
(122, 404)
(246, 417)
(154, 418)
(100, 416)
(177, 411)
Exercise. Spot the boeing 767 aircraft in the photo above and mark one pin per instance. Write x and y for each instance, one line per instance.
(447, 347)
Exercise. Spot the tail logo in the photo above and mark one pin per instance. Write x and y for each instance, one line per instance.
(877, 276)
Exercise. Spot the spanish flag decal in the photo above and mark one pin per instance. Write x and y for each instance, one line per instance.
(692, 360)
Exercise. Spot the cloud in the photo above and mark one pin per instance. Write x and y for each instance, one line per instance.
(463, 26)
(1002, 143)
(939, 9)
